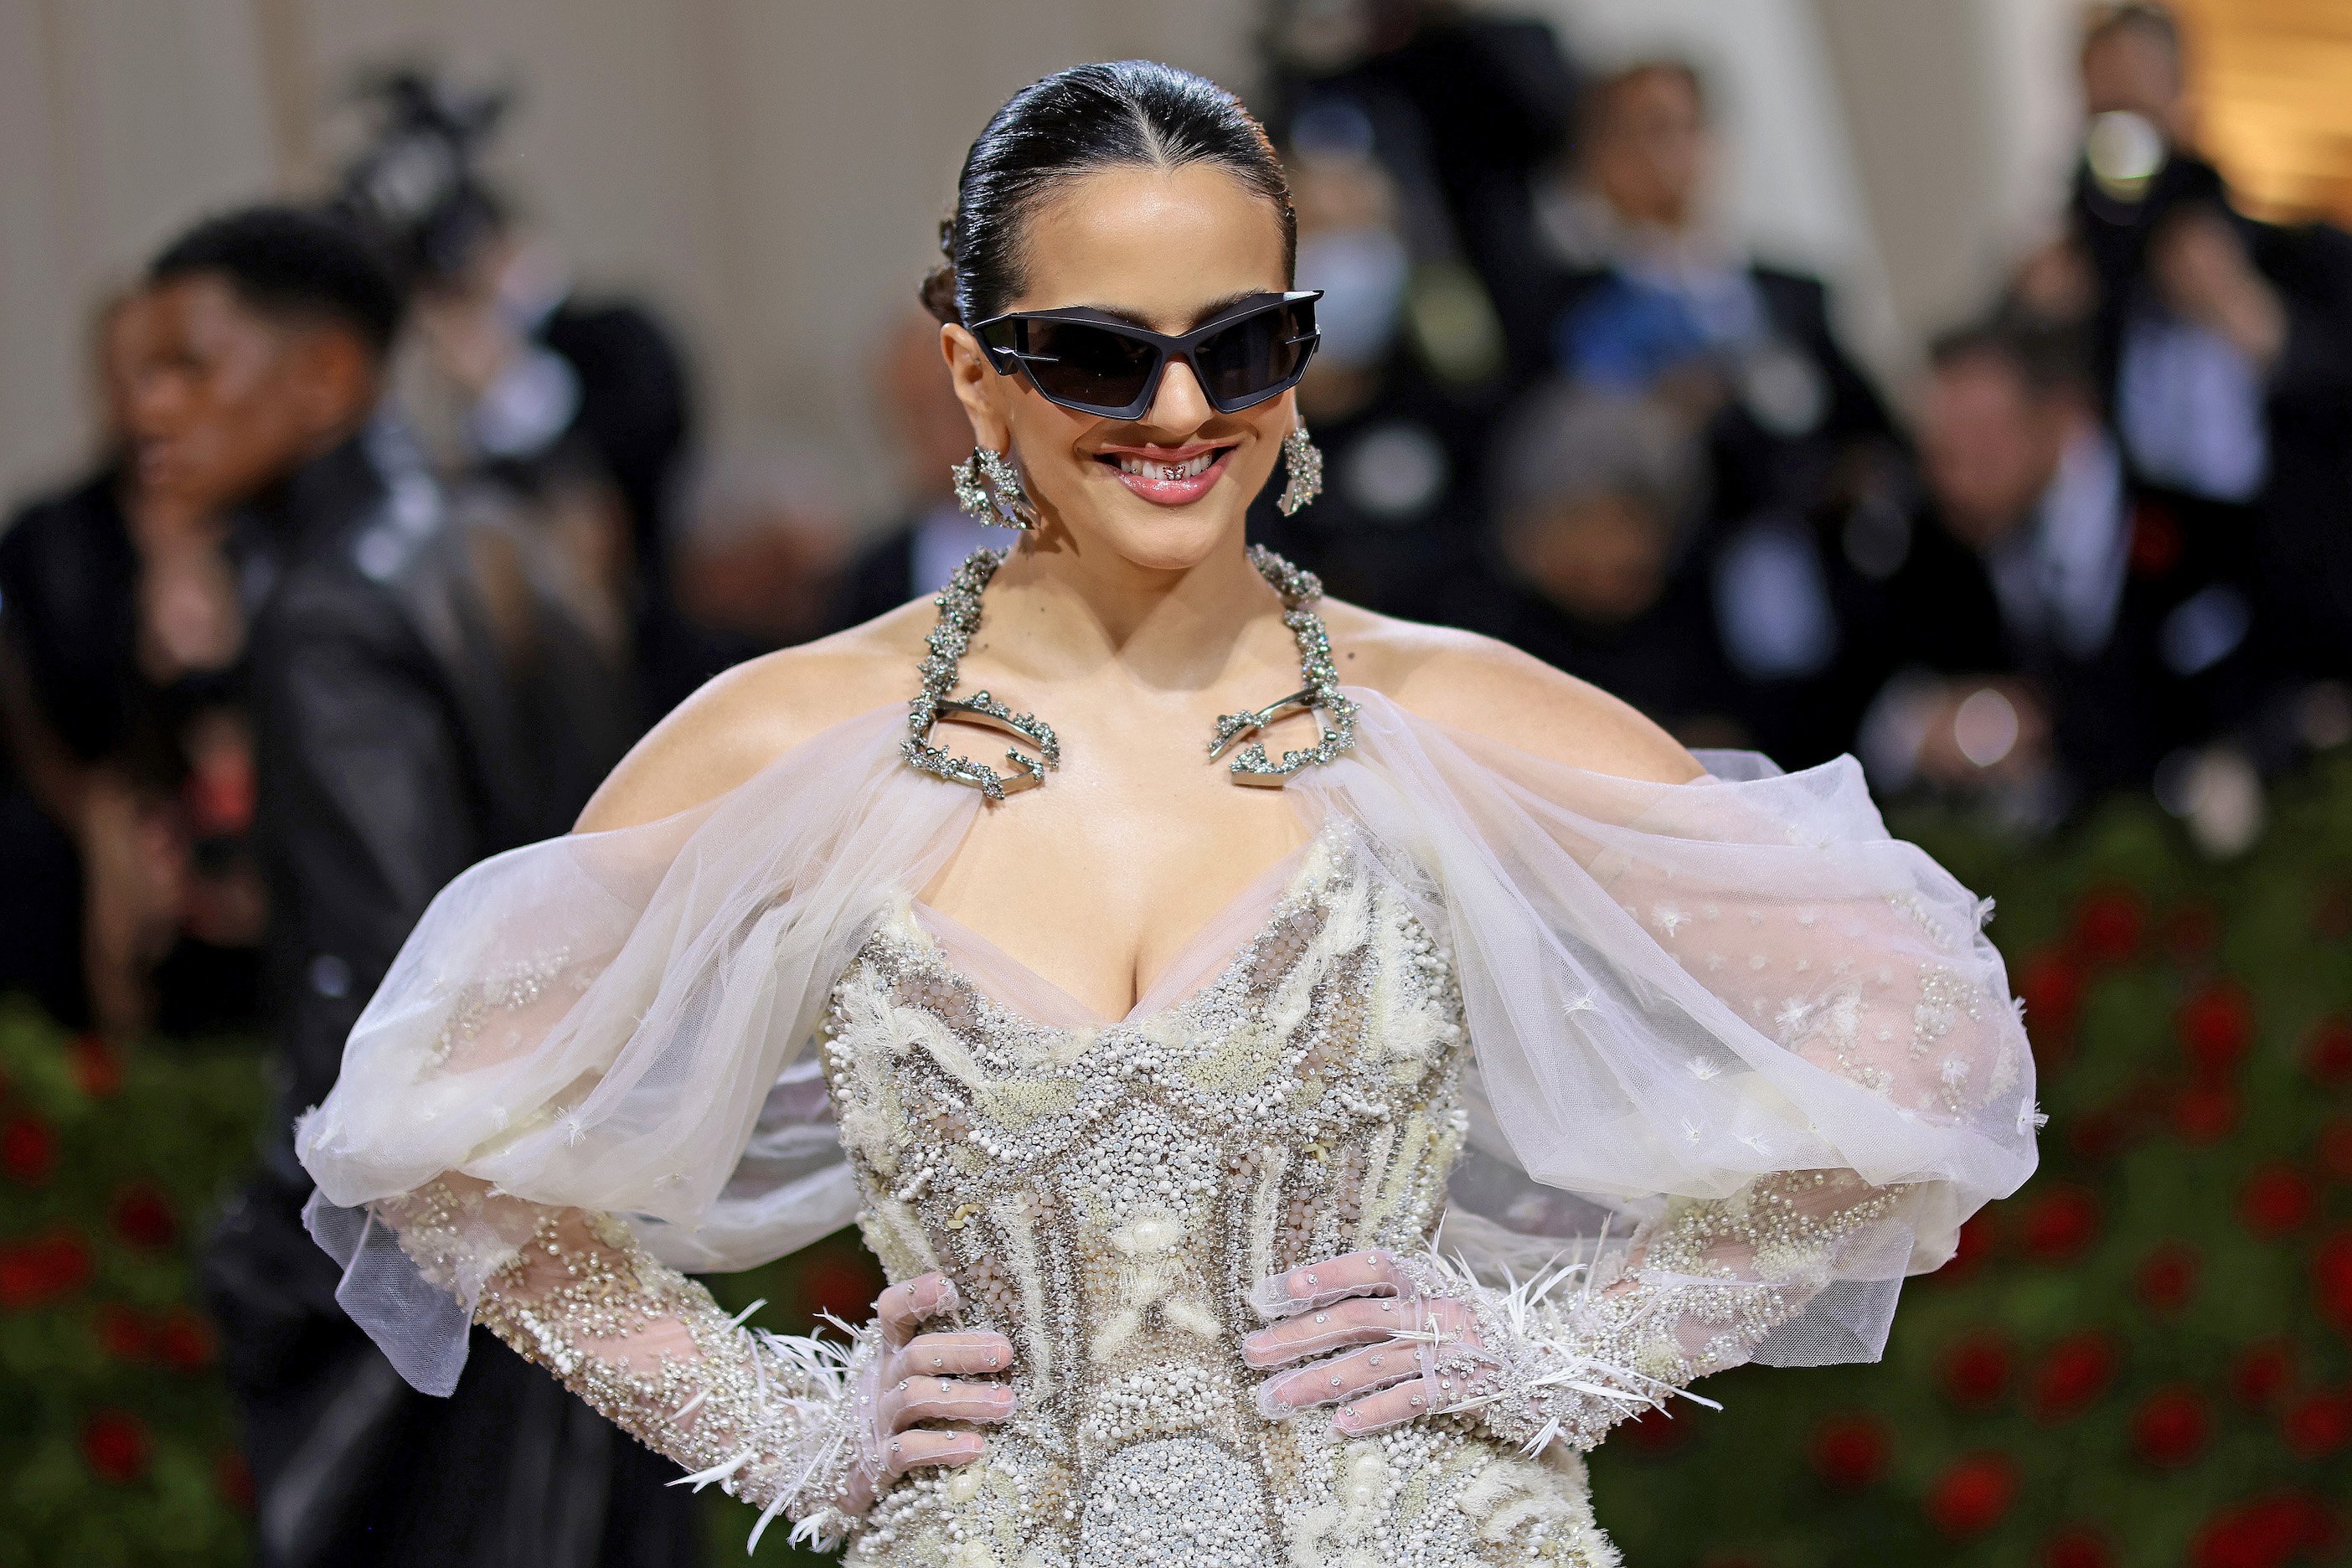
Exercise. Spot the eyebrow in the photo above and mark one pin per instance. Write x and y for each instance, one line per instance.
(1208, 312)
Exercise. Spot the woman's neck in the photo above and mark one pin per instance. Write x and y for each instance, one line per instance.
(1060, 611)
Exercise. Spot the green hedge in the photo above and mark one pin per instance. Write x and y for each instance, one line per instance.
(2145, 1361)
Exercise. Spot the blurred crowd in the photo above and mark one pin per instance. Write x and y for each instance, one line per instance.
(397, 540)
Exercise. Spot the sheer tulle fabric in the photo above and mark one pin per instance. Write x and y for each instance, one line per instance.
(1672, 990)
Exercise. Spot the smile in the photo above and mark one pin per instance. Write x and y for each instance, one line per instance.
(1168, 477)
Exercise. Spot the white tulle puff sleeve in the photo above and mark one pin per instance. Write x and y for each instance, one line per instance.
(1743, 1060)
(585, 1069)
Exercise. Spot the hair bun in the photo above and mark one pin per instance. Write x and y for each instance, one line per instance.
(938, 293)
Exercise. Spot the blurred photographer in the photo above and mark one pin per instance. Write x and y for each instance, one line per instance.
(2222, 345)
(576, 409)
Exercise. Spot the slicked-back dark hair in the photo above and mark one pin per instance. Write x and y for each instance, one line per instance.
(1122, 113)
(290, 262)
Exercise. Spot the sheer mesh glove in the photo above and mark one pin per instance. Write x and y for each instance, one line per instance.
(1418, 1336)
(807, 1426)
(1567, 1355)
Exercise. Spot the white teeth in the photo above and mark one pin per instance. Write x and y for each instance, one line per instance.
(1144, 467)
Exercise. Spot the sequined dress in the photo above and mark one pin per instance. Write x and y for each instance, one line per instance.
(1764, 1045)
(1108, 1197)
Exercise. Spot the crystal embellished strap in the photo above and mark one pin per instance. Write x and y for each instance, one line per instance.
(950, 639)
(1300, 590)
(773, 1419)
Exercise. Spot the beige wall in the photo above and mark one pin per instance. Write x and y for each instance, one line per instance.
(772, 171)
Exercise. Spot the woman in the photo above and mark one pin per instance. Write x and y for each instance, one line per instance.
(1150, 1087)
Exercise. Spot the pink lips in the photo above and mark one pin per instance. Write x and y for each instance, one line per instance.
(1170, 492)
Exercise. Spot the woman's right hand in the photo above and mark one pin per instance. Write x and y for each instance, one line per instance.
(926, 1377)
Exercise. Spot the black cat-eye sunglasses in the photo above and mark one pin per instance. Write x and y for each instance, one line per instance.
(1094, 363)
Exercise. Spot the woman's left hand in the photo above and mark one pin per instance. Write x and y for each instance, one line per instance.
(1402, 1353)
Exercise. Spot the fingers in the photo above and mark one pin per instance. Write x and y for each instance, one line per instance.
(921, 1447)
(976, 1352)
(914, 1399)
(1339, 1379)
(1315, 1285)
(1455, 1387)
(903, 1306)
(1358, 1322)
(1388, 1407)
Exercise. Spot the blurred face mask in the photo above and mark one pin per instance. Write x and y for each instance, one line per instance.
(1362, 274)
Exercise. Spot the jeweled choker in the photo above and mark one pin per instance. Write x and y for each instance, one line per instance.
(959, 607)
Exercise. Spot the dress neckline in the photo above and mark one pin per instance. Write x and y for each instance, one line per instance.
(1207, 956)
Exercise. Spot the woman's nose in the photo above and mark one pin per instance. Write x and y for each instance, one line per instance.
(1181, 406)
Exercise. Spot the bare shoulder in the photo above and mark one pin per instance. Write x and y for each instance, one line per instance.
(1491, 689)
(746, 718)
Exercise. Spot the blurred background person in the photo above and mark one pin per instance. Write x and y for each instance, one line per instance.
(575, 407)
(758, 555)
(1650, 298)
(1401, 415)
(1596, 496)
(2052, 630)
(397, 747)
(2223, 345)
(912, 555)
(121, 674)
(1465, 105)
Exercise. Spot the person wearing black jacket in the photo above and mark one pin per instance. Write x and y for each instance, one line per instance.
(396, 746)
(2047, 626)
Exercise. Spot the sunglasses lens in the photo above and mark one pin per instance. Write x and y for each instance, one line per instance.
(1256, 356)
(1074, 363)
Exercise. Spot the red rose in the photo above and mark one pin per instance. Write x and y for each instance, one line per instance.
(119, 1331)
(1975, 1370)
(2262, 1372)
(36, 1272)
(2096, 1136)
(2327, 1056)
(2217, 1027)
(2170, 1426)
(1654, 1432)
(233, 1477)
(1850, 1451)
(2191, 932)
(2331, 1279)
(28, 1150)
(2061, 1223)
(2074, 1372)
(2168, 1279)
(1973, 1493)
(2334, 1143)
(2205, 1113)
(2107, 924)
(185, 1341)
(2267, 1534)
(2318, 1424)
(143, 1217)
(97, 1065)
(2052, 985)
(2077, 1546)
(115, 1445)
(2276, 1199)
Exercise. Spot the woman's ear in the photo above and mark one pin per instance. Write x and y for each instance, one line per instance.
(975, 385)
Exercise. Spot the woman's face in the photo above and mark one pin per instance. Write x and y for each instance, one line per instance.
(1167, 249)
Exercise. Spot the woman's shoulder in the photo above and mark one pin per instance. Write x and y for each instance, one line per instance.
(747, 717)
(1491, 689)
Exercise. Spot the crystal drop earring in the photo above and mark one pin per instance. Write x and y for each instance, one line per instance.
(1303, 461)
(988, 487)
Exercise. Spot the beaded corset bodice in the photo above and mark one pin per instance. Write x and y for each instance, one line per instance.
(1105, 1197)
